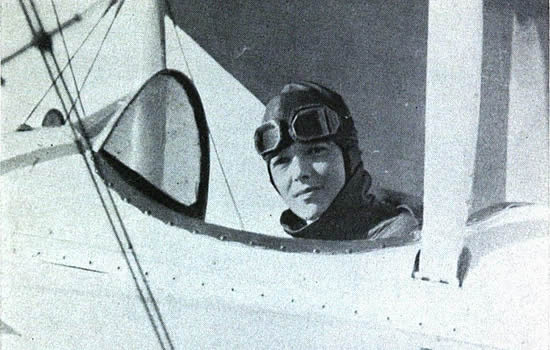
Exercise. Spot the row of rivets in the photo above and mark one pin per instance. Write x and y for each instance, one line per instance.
(223, 237)
(233, 289)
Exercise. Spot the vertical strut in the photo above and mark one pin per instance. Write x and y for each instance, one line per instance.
(453, 83)
(148, 129)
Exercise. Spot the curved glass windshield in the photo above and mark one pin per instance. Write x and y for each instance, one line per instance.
(157, 137)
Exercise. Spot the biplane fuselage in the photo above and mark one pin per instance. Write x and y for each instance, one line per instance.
(64, 270)
(96, 254)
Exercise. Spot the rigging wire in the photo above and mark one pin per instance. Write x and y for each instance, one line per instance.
(117, 213)
(226, 181)
(53, 83)
(35, 34)
(234, 202)
(96, 55)
(68, 57)
(171, 15)
(181, 49)
(51, 52)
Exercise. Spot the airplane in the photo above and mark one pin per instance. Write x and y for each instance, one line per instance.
(136, 213)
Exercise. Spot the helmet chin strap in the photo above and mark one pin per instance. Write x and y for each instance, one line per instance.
(271, 177)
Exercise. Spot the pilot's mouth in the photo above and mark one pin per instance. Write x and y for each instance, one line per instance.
(307, 191)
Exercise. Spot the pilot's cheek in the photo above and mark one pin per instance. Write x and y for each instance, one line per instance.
(320, 168)
(283, 182)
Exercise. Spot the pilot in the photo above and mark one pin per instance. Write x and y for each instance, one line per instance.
(309, 142)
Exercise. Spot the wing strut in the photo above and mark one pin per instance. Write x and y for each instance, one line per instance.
(149, 127)
(455, 37)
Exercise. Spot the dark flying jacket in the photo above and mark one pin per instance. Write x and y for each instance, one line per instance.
(354, 214)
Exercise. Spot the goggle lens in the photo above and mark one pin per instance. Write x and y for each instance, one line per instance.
(308, 124)
(313, 123)
(267, 137)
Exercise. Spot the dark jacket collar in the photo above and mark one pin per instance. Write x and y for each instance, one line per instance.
(350, 216)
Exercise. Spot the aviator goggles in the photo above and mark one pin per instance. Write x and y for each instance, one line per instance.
(308, 124)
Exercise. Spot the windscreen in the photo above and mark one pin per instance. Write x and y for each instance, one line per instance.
(157, 137)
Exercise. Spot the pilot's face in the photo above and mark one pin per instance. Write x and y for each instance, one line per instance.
(308, 177)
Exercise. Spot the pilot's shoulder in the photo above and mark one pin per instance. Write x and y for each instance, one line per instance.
(405, 224)
(411, 202)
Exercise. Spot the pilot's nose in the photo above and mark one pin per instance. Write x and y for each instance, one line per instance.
(301, 168)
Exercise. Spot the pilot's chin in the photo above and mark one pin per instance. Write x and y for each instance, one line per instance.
(309, 212)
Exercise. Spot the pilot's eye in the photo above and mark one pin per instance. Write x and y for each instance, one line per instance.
(318, 150)
(280, 161)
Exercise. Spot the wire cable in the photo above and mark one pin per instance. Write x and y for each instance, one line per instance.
(170, 15)
(68, 56)
(51, 52)
(53, 83)
(226, 181)
(96, 55)
(234, 202)
(44, 59)
(134, 260)
(180, 44)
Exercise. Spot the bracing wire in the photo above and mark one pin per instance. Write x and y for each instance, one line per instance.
(42, 54)
(103, 40)
(234, 202)
(226, 181)
(181, 49)
(171, 15)
(52, 54)
(54, 82)
(76, 18)
(120, 221)
(68, 57)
